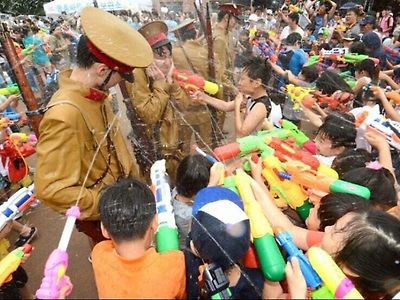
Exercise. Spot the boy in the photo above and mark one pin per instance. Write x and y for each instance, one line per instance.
(127, 266)
(253, 82)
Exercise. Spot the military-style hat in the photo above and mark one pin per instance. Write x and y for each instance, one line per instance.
(232, 9)
(114, 43)
(155, 33)
(183, 27)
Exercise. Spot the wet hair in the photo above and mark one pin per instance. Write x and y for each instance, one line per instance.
(356, 11)
(84, 58)
(192, 175)
(310, 73)
(330, 82)
(371, 249)
(369, 66)
(294, 17)
(357, 47)
(379, 182)
(350, 159)
(340, 129)
(328, 5)
(258, 68)
(127, 209)
(310, 27)
(335, 205)
(293, 38)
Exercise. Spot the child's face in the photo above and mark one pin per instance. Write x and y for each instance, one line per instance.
(243, 37)
(324, 146)
(246, 84)
(313, 221)
(334, 236)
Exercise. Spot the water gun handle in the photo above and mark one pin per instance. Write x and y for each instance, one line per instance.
(54, 275)
(11, 262)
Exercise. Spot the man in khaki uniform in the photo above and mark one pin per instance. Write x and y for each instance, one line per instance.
(156, 98)
(192, 55)
(79, 128)
(228, 19)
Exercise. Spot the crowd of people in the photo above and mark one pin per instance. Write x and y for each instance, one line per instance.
(332, 72)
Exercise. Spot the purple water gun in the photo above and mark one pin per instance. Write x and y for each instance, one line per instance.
(57, 263)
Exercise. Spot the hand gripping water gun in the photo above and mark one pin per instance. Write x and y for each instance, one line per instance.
(297, 94)
(314, 282)
(305, 176)
(167, 232)
(332, 276)
(285, 192)
(301, 139)
(216, 282)
(192, 82)
(11, 262)
(269, 256)
(388, 128)
(17, 203)
(11, 89)
(54, 273)
(338, 101)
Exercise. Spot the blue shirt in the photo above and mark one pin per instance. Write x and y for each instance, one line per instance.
(39, 56)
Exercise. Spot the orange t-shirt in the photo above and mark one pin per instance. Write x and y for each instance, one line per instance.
(154, 275)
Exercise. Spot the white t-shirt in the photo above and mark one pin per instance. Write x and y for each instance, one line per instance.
(286, 31)
(360, 139)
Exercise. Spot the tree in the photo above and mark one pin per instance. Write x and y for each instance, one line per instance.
(22, 7)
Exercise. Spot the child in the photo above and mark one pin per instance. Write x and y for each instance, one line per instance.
(192, 175)
(253, 82)
(127, 266)
(336, 134)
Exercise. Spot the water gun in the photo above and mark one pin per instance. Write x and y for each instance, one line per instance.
(248, 144)
(28, 50)
(314, 282)
(394, 97)
(5, 122)
(295, 9)
(209, 157)
(285, 192)
(11, 262)
(388, 128)
(305, 176)
(297, 94)
(338, 101)
(332, 276)
(192, 82)
(17, 203)
(341, 28)
(229, 183)
(334, 51)
(313, 60)
(54, 273)
(167, 232)
(11, 89)
(353, 58)
(217, 283)
(266, 50)
(300, 137)
(270, 258)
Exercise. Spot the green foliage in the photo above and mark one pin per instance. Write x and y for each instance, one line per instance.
(22, 7)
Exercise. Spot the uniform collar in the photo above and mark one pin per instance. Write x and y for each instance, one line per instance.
(92, 94)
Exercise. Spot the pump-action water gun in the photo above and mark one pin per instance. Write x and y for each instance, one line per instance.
(297, 94)
(300, 137)
(17, 203)
(167, 232)
(192, 82)
(269, 256)
(388, 128)
(54, 273)
(11, 262)
(338, 101)
(332, 276)
(314, 282)
(305, 176)
(11, 89)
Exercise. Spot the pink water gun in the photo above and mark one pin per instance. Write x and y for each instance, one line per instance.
(57, 263)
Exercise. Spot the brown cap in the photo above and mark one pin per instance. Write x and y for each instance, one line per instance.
(114, 43)
(155, 33)
(232, 9)
(183, 27)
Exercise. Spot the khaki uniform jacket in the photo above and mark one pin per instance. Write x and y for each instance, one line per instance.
(152, 103)
(70, 132)
(196, 113)
(224, 56)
